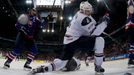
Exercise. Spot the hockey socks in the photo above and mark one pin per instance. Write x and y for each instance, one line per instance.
(10, 56)
(30, 58)
(98, 62)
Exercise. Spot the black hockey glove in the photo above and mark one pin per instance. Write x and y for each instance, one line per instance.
(24, 30)
(26, 33)
(105, 18)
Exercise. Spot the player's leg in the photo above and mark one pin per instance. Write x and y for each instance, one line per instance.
(131, 47)
(16, 51)
(32, 47)
(58, 63)
(99, 46)
(131, 54)
(86, 44)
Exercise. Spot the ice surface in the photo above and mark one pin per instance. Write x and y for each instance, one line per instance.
(117, 67)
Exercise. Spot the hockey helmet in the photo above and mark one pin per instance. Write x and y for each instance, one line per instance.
(86, 6)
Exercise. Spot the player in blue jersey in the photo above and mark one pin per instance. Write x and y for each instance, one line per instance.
(130, 30)
(28, 26)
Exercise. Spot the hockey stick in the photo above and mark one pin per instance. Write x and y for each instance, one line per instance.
(106, 5)
(114, 40)
(116, 31)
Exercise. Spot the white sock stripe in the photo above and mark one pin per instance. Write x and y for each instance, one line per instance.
(30, 58)
(9, 57)
(12, 55)
(30, 55)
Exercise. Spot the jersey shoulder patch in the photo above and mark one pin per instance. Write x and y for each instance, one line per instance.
(86, 21)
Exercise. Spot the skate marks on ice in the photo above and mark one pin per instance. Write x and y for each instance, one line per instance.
(118, 67)
(16, 68)
(12, 71)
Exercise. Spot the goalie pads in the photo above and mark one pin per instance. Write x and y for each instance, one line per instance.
(23, 19)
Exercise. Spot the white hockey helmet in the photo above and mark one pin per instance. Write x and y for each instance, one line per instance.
(85, 5)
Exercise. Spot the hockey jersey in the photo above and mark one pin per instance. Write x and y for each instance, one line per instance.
(82, 25)
(31, 28)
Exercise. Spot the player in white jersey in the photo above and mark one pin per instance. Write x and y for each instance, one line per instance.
(83, 32)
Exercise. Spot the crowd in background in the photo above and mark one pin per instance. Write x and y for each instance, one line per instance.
(112, 49)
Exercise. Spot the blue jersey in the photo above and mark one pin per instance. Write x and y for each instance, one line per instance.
(131, 18)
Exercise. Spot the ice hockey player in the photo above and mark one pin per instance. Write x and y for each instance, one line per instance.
(28, 26)
(83, 32)
(130, 30)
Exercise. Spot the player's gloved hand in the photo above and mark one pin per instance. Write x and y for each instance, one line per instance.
(40, 69)
(25, 32)
(126, 28)
(129, 25)
(106, 18)
(23, 29)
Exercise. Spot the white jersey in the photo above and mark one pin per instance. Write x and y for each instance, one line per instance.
(82, 25)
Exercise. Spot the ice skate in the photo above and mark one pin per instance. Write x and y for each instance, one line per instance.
(87, 64)
(131, 63)
(27, 67)
(6, 65)
(99, 70)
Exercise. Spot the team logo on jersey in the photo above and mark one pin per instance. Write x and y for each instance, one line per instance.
(86, 21)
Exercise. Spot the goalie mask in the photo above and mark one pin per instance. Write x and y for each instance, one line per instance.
(86, 7)
(72, 65)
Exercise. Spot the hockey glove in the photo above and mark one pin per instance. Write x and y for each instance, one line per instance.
(24, 30)
(105, 19)
(26, 33)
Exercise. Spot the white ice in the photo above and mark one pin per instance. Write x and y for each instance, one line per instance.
(117, 67)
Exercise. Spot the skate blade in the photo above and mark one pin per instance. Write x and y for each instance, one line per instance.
(26, 69)
(130, 66)
(99, 73)
(5, 67)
